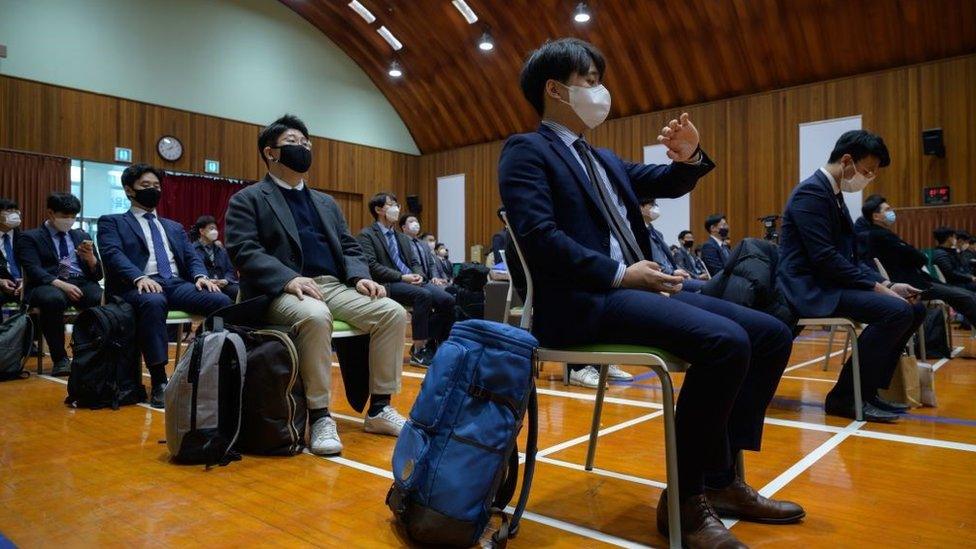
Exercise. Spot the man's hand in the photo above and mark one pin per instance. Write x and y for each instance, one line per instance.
(438, 282)
(681, 138)
(300, 286)
(370, 288)
(73, 292)
(221, 283)
(892, 292)
(906, 291)
(682, 273)
(146, 285)
(414, 279)
(204, 284)
(647, 275)
(86, 251)
(8, 286)
(20, 288)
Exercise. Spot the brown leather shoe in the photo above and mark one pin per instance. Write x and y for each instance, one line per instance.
(700, 526)
(740, 501)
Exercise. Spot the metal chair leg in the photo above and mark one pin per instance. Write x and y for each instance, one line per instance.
(922, 352)
(856, 367)
(179, 341)
(740, 465)
(847, 345)
(40, 351)
(597, 413)
(565, 374)
(671, 460)
(830, 347)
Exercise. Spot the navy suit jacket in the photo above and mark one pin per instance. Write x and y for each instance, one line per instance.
(818, 250)
(125, 252)
(713, 256)
(221, 267)
(39, 259)
(553, 209)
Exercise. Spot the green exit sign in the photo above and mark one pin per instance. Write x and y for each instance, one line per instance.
(211, 166)
(123, 154)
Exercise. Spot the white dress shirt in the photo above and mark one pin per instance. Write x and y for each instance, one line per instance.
(833, 182)
(152, 267)
(284, 185)
(3, 250)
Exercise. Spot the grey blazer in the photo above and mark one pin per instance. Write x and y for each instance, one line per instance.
(381, 266)
(262, 239)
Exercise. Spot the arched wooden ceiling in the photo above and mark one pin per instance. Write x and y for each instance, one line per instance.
(660, 53)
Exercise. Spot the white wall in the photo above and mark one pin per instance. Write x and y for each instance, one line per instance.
(247, 60)
(450, 215)
(817, 140)
(675, 212)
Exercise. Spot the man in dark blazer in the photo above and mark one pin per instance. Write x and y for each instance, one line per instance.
(946, 258)
(686, 258)
(715, 250)
(150, 263)
(574, 211)
(393, 263)
(61, 270)
(967, 251)
(429, 267)
(902, 261)
(660, 251)
(291, 243)
(11, 279)
(204, 236)
(821, 276)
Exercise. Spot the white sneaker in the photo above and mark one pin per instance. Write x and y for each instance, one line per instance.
(587, 377)
(324, 440)
(387, 422)
(617, 374)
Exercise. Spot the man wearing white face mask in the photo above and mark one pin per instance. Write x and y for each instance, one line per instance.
(11, 281)
(821, 276)
(661, 252)
(215, 259)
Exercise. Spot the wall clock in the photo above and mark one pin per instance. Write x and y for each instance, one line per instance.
(169, 148)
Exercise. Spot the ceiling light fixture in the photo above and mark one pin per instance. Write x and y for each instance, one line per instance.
(465, 10)
(487, 43)
(362, 11)
(390, 39)
(396, 71)
(582, 13)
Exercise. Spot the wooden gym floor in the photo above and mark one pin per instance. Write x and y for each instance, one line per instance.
(81, 478)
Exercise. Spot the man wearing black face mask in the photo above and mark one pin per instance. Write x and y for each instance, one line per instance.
(686, 258)
(715, 251)
(150, 263)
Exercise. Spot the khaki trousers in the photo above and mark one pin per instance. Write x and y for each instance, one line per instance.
(311, 320)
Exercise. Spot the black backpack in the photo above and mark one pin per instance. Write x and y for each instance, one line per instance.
(105, 368)
(16, 335)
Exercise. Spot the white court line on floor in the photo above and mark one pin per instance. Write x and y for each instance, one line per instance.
(937, 443)
(943, 361)
(811, 361)
(602, 472)
(801, 425)
(586, 438)
(799, 378)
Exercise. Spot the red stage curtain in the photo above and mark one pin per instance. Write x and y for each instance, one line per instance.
(186, 197)
(915, 225)
(28, 178)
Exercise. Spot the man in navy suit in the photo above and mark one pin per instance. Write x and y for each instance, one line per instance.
(574, 211)
(11, 281)
(821, 276)
(715, 250)
(204, 235)
(150, 263)
(661, 252)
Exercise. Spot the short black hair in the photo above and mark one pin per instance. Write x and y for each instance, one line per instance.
(557, 60)
(713, 220)
(378, 201)
(135, 171)
(202, 222)
(860, 144)
(645, 201)
(268, 137)
(7, 204)
(682, 234)
(425, 235)
(964, 236)
(943, 233)
(871, 205)
(66, 203)
(439, 245)
(406, 216)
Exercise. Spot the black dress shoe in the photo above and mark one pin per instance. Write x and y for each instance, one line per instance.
(62, 368)
(889, 406)
(840, 408)
(156, 399)
(423, 357)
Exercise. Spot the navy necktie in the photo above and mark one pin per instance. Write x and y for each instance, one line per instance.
(159, 249)
(8, 250)
(395, 253)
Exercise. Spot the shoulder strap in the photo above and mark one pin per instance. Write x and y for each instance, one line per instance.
(509, 529)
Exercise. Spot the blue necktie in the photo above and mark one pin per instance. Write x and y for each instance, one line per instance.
(162, 259)
(395, 252)
(8, 249)
(64, 265)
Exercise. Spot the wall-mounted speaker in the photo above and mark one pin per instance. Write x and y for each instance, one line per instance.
(413, 204)
(932, 142)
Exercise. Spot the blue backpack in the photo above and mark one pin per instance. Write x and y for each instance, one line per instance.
(456, 461)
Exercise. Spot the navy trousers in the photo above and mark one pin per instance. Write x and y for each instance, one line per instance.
(433, 309)
(151, 311)
(737, 357)
(891, 323)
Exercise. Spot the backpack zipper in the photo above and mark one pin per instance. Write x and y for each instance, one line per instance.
(292, 405)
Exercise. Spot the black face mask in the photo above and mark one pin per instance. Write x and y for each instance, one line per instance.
(148, 197)
(295, 157)
(688, 244)
(724, 232)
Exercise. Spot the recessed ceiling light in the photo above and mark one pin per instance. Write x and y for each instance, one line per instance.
(396, 71)
(362, 11)
(390, 39)
(582, 13)
(465, 10)
(487, 43)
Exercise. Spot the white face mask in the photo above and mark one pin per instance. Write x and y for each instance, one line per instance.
(212, 234)
(12, 220)
(591, 105)
(393, 214)
(431, 244)
(854, 184)
(655, 213)
(413, 227)
(63, 224)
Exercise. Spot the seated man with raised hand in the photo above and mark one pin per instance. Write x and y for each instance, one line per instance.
(61, 271)
(150, 263)
(11, 281)
(291, 243)
(215, 259)
(903, 262)
(946, 258)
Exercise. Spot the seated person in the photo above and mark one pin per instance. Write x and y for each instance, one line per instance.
(442, 255)
(904, 263)
(498, 242)
(660, 252)
(61, 271)
(715, 251)
(574, 211)
(393, 263)
(410, 226)
(946, 258)
(686, 259)
(967, 251)
(302, 256)
(215, 259)
(11, 281)
(150, 264)
(821, 276)
(439, 268)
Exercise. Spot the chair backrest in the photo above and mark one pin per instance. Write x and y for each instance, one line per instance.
(526, 322)
(938, 274)
(881, 269)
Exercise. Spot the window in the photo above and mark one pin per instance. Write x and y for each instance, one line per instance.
(99, 187)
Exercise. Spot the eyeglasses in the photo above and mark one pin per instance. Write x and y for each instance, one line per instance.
(293, 141)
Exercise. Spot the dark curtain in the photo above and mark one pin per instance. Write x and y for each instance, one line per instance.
(28, 178)
(186, 197)
(915, 225)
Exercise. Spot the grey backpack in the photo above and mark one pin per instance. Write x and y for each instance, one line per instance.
(16, 335)
(203, 399)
